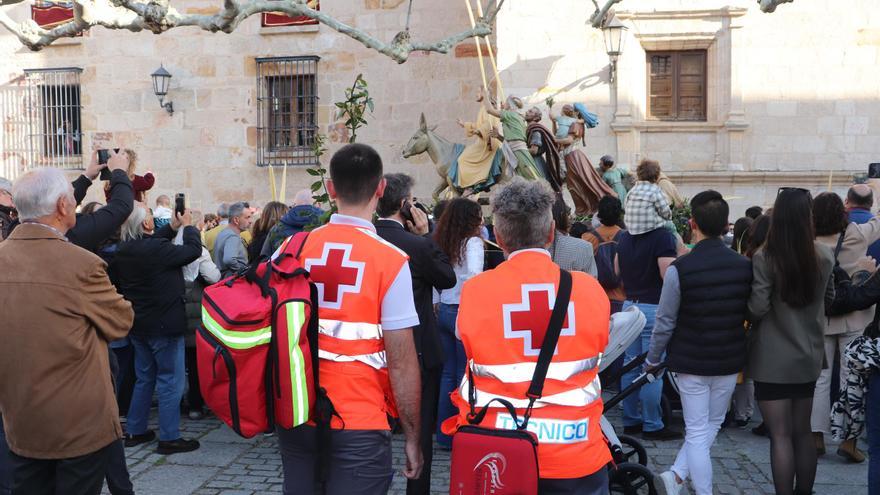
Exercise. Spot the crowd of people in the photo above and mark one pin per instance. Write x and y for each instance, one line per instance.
(102, 304)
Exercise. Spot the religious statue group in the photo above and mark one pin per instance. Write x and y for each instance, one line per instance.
(523, 147)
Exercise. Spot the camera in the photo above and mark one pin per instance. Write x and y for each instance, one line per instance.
(103, 158)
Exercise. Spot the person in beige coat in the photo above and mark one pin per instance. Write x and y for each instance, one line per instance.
(59, 313)
(833, 225)
(792, 274)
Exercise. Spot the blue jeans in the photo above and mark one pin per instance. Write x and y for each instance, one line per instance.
(454, 363)
(872, 399)
(650, 414)
(159, 365)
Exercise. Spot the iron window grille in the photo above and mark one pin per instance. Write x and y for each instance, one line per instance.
(287, 103)
(54, 115)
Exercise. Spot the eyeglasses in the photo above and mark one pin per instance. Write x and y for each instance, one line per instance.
(800, 189)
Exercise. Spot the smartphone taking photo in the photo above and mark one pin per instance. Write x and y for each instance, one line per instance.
(180, 203)
(103, 158)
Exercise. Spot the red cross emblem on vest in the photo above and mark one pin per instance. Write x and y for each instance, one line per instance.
(335, 274)
(529, 318)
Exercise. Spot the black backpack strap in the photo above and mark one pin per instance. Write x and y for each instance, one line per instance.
(551, 338)
(839, 245)
(324, 410)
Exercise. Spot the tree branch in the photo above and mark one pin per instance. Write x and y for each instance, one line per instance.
(160, 16)
(598, 17)
(770, 5)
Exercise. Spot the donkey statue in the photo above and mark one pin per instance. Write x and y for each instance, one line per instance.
(444, 154)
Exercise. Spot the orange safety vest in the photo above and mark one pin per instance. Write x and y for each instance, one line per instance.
(353, 269)
(502, 320)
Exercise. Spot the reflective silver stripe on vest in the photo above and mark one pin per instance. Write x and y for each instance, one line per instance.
(346, 330)
(523, 372)
(375, 360)
(576, 398)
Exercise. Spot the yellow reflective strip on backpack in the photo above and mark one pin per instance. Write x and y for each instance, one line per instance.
(233, 339)
(296, 317)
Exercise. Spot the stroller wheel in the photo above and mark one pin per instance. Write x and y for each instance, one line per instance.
(632, 451)
(632, 479)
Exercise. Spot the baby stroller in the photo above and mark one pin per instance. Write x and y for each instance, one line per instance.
(628, 470)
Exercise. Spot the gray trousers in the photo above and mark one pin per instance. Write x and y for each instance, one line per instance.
(360, 461)
(594, 484)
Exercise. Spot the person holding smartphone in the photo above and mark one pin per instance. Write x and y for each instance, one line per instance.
(406, 226)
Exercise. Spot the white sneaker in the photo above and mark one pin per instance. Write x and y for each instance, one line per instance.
(665, 484)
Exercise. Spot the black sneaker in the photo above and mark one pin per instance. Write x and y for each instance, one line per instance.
(135, 440)
(761, 430)
(177, 446)
(632, 430)
(741, 423)
(664, 434)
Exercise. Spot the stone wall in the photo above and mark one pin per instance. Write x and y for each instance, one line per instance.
(791, 95)
(207, 149)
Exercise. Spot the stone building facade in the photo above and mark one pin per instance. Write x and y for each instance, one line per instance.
(781, 99)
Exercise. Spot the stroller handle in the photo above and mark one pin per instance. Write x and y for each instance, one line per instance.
(641, 380)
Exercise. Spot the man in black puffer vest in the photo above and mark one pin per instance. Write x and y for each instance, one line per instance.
(700, 326)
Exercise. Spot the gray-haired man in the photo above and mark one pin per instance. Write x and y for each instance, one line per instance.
(230, 253)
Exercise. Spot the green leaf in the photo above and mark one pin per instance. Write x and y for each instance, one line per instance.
(316, 186)
(312, 171)
(370, 104)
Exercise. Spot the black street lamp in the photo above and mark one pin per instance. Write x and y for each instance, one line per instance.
(161, 80)
(613, 31)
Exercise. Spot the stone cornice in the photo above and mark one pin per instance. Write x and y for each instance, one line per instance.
(782, 178)
(683, 14)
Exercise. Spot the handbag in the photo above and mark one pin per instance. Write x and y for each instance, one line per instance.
(505, 462)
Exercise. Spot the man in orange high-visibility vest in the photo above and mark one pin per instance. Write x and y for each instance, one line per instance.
(367, 357)
(502, 320)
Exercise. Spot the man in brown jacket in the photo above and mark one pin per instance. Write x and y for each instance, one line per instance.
(60, 311)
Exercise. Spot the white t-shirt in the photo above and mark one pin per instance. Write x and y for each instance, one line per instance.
(467, 268)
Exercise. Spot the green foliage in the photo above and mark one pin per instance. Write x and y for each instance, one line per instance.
(320, 194)
(680, 217)
(354, 107)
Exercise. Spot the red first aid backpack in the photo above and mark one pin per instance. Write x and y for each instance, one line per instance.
(257, 345)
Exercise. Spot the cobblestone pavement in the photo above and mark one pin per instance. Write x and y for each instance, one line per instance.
(229, 465)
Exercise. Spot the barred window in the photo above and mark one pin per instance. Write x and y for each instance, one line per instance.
(286, 107)
(54, 115)
(677, 85)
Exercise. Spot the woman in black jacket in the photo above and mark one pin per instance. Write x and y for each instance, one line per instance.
(149, 273)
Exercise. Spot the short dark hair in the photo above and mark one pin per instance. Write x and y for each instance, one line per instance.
(561, 214)
(754, 212)
(648, 170)
(578, 229)
(710, 212)
(610, 210)
(829, 214)
(397, 188)
(856, 199)
(356, 171)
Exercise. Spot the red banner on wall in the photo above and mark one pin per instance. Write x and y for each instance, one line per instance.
(49, 14)
(276, 19)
